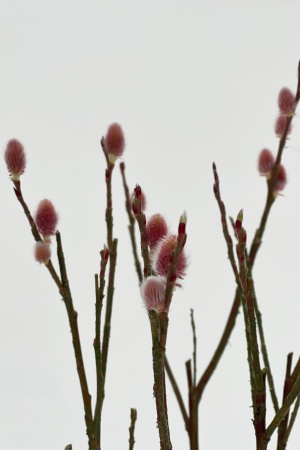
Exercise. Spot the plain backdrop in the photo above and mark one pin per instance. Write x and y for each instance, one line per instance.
(191, 83)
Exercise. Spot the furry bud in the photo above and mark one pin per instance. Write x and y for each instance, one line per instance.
(15, 159)
(114, 142)
(46, 218)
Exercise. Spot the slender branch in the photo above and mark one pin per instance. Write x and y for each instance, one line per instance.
(264, 352)
(252, 255)
(131, 226)
(194, 348)
(99, 293)
(133, 417)
(257, 376)
(109, 305)
(281, 413)
(176, 392)
(188, 369)
(72, 315)
(109, 208)
(271, 182)
(236, 304)
(35, 233)
(64, 289)
(288, 382)
(193, 429)
(291, 423)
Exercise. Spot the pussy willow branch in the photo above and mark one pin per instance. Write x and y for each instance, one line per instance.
(159, 322)
(159, 327)
(64, 290)
(131, 228)
(252, 255)
(112, 248)
(235, 270)
(257, 376)
(35, 233)
(72, 315)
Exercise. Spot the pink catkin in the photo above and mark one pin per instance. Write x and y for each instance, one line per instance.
(114, 141)
(156, 229)
(153, 293)
(265, 162)
(286, 102)
(281, 179)
(42, 252)
(46, 218)
(163, 254)
(15, 158)
(280, 126)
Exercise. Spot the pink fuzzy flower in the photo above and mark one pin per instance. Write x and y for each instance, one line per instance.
(280, 125)
(42, 252)
(281, 180)
(46, 218)
(163, 256)
(153, 293)
(265, 162)
(156, 229)
(15, 159)
(286, 102)
(114, 142)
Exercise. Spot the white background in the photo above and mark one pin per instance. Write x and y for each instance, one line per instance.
(191, 83)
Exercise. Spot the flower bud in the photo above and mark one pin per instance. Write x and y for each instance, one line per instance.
(46, 218)
(281, 180)
(182, 224)
(265, 162)
(280, 125)
(286, 102)
(163, 255)
(15, 159)
(114, 142)
(156, 229)
(42, 252)
(139, 194)
(153, 293)
(239, 221)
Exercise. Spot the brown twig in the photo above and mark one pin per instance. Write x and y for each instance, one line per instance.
(99, 294)
(72, 315)
(279, 416)
(133, 417)
(131, 226)
(212, 365)
(64, 290)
